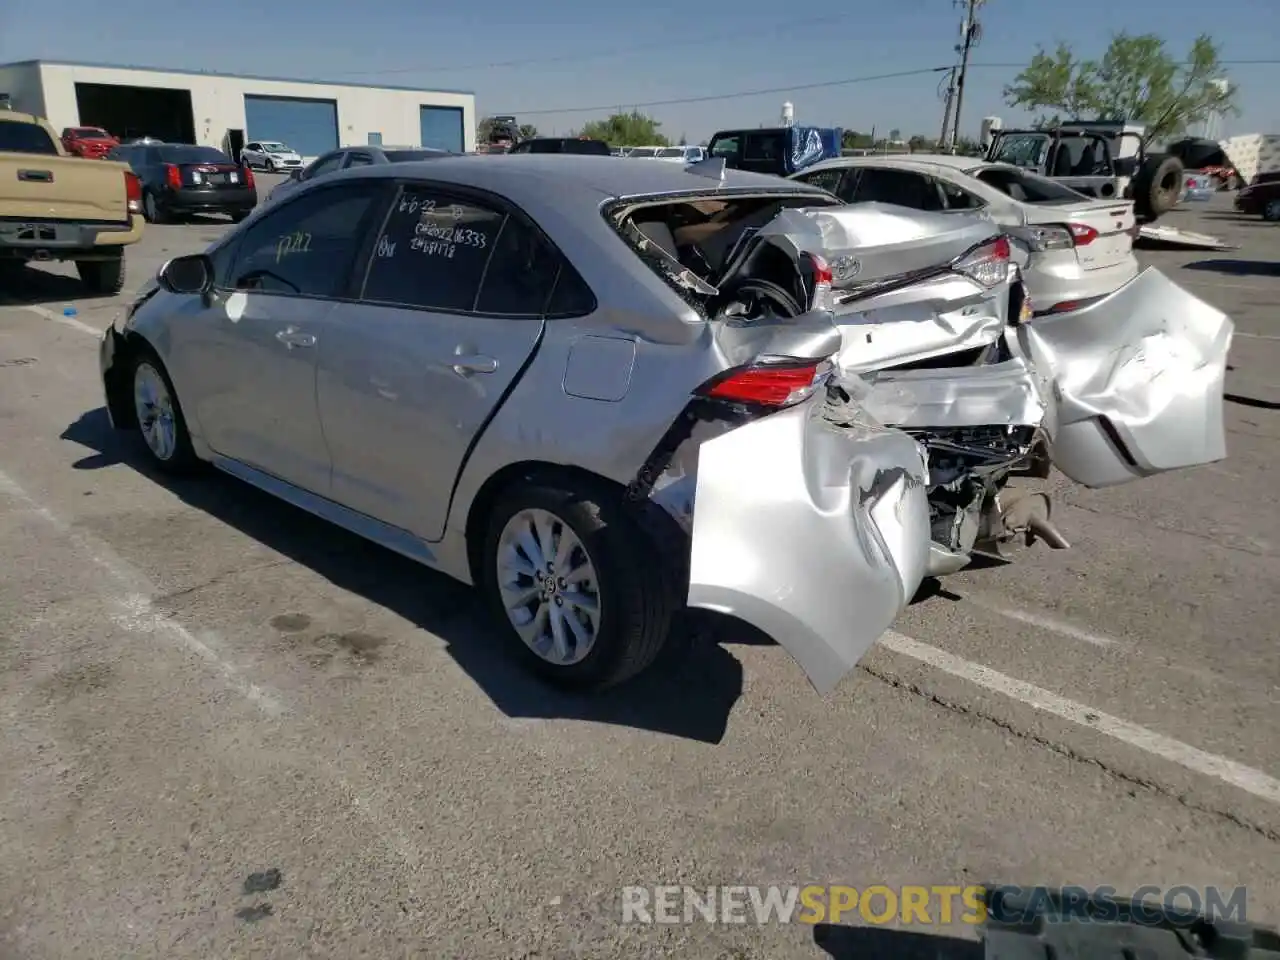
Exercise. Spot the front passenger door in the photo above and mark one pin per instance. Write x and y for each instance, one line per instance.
(247, 359)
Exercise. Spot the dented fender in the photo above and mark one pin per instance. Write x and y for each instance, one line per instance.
(813, 527)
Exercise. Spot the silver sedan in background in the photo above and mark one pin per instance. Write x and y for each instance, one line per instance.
(1079, 248)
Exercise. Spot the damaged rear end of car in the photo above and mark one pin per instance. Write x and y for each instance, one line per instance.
(821, 479)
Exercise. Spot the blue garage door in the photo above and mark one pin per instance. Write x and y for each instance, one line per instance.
(309, 126)
(441, 128)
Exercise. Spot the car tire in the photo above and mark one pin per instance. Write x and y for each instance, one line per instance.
(271, 166)
(620, 571)
(104, 277)
(152, 212)
(1158, 186)
(158, 415)
(1271, 210)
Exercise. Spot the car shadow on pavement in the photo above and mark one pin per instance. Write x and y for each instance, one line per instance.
(1237, 268)
(31, 285)
(688, 693)
(880, 943)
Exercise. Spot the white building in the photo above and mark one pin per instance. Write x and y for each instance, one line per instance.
(224, 111)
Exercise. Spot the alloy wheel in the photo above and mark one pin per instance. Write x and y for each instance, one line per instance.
(153, 405)
(549, 586)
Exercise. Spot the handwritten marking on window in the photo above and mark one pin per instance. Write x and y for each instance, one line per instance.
(409, 204)
(386, 248)
(434, 248)
(291, 243)
(460, 236)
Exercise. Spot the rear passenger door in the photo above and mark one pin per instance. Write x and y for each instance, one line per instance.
(453, 303)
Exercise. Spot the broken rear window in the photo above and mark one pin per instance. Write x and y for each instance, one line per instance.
(693, 242)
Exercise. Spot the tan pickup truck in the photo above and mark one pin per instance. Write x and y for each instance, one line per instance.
(58, 207)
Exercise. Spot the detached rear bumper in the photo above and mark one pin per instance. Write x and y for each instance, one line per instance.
(813, 529)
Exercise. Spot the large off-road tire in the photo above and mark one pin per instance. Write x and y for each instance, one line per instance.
(104, 277)
(574, 550)
(1158, 186)
(158, 415)
(1271, 211)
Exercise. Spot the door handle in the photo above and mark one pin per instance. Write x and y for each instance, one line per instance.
(473, 363)
(291, 338)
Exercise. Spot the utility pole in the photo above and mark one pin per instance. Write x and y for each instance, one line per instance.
(970, 33)
(943, 142)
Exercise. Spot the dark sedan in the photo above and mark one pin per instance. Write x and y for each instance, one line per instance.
(347, 157)
(181, 179)
(1260, 198)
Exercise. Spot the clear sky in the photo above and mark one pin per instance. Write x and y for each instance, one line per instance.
(581, 54)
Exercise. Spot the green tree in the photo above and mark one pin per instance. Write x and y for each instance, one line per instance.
(920, 144)
(626, 129)
(853, 140)
(528, 131)
(1137, 80)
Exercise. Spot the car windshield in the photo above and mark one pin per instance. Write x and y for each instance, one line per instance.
(192, 155)
(90, 133)
(276, 147)
(644, 152)
(1026, 150)
(672, 152)
(18, 137)
(1028, 187)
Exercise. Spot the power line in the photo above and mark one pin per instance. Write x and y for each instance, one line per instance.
(754, 33)
(743, 93)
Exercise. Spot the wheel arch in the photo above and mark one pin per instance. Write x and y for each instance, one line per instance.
(116, 385)
(650, 519)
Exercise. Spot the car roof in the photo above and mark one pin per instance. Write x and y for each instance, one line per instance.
(512, 174)
(919, 162)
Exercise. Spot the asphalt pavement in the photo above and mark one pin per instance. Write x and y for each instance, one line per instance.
(201, 686)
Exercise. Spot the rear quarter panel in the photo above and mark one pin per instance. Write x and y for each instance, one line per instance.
(672, 348)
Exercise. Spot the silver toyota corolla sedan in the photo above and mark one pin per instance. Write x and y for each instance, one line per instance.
(601, 390)
(492, 365)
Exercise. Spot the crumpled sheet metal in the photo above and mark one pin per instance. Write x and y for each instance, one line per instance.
(998, 394)
(929, 319)
(812, 530)
(868, 242)
(1146, 366)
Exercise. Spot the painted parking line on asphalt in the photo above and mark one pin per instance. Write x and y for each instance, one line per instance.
(1248, 779)
(1192, 758)
(130, 599)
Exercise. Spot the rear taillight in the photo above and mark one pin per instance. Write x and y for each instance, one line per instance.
(173, 176)
(773, 383)
(1082, 235)
(988, 265)
(247, 174)
(132, 192)
(820, 272)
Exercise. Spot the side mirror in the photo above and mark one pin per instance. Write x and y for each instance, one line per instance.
(190, 274)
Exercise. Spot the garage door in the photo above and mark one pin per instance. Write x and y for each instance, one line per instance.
(441, 128)
(309, 126)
